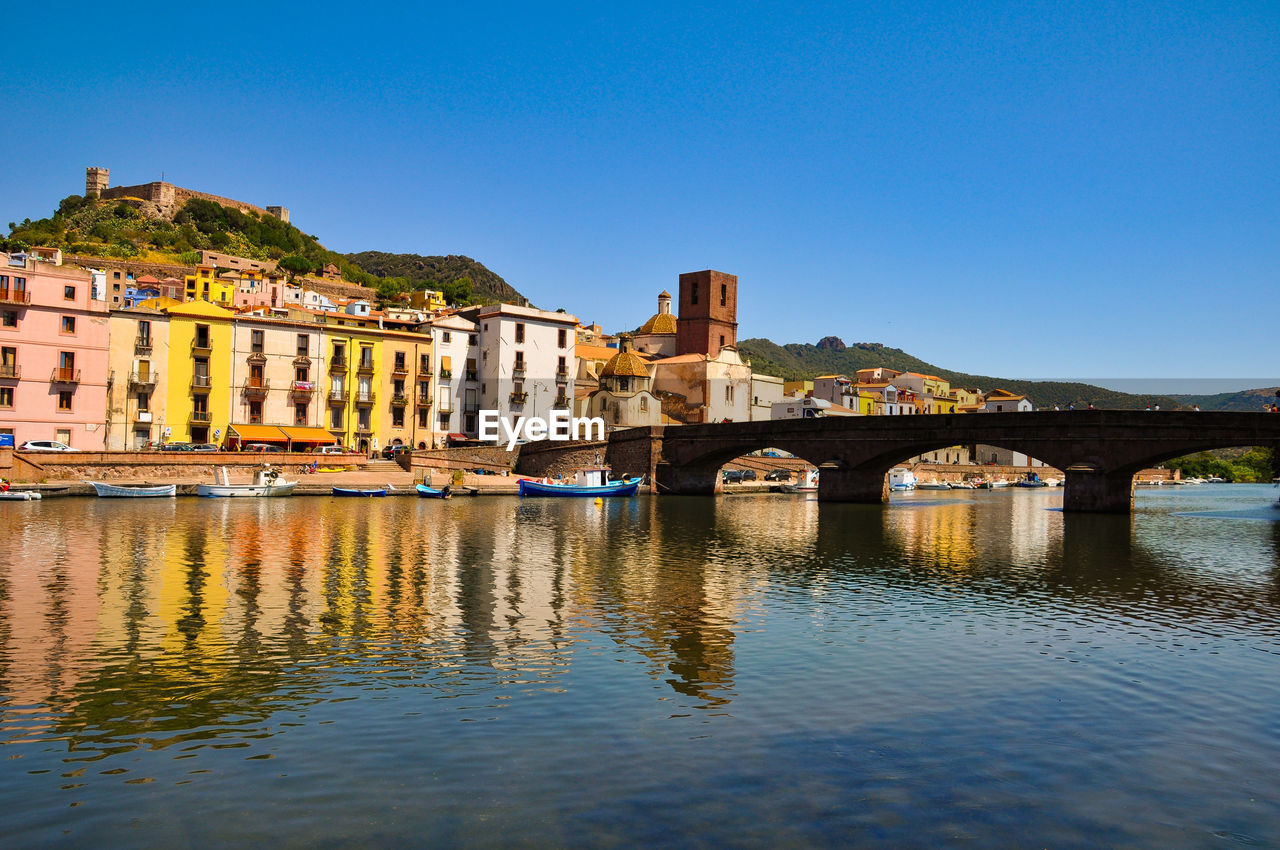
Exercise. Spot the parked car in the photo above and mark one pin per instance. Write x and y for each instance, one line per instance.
(205, 447)
(737, 476)
(45, 446)
(261, 447)
(778, 475)
(391, 452)
(330, 450)
(175, 447)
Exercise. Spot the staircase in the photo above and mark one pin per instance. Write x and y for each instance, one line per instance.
(381, 465)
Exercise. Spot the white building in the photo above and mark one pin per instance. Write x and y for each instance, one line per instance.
(456, 377)
(527, 360)
(766, 391)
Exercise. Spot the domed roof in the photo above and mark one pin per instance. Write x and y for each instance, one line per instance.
(625, 364)
(660, 323)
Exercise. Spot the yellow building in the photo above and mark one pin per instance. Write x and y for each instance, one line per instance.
(797, 389)
(406, 404)
(205, 285)
(138, 357)
(427, 299)
(198, 398)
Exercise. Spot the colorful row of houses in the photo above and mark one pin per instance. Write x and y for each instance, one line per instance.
(198, 370)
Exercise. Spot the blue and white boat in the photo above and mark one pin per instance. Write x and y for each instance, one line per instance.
(592, 481)
(432, 493)
(360, 491)
(125, 491)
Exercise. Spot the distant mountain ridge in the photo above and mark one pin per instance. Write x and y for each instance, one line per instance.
(802, 361)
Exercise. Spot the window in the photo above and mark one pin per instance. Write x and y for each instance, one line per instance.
(144, 333)
(444, 421)
(400, 362)
(722, 340)
(64, 400)
(9, 360)
(644, 404)
(446, 337)
(256, 341)
(335, 417)
(728, 393)
(472, 373)
(66, 360)
(299, 414)
(255, 412)
(302, 374)
(624, 385)
(6, 396)
(200, 404)
(519, 332)
(366, 357)
(471, 339)
(724, 294)
(424, 418)
(561, 366)
(68, 293)
(9, 318)
(144, 402)
(562, 339)
(68, 324)
(202, 336)
(63, 435)
(693, 293)
(304, 345)
(115, 275)
(363, 419)
(520, 360)
(397, 417)
(424, 364)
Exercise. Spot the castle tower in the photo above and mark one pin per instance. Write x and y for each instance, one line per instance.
(708, 312)
(96, 181)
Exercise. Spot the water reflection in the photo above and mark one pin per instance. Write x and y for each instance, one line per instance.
(193, 626)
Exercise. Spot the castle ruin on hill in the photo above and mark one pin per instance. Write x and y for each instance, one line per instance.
(163, 199)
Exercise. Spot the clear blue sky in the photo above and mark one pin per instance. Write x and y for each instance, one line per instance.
(1021, 189)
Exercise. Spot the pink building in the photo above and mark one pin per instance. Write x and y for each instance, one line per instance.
(53, 354)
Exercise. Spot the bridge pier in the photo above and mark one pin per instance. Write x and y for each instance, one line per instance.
(688, 480)
(868, 487)
(1095, 491)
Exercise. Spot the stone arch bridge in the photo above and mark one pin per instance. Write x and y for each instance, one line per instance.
(1099, 450)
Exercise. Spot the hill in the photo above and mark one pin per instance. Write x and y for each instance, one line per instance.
(439, 273)
(1244, 400)
(133, 229)
(797, 361)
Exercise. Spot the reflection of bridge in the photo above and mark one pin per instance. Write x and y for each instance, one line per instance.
(1100, 450)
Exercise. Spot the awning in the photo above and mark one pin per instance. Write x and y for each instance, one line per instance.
(457, 437)
(300, 434)
(256, 434)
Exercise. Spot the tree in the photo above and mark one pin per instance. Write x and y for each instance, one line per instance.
(295, 264)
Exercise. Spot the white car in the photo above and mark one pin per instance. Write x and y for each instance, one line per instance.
(330, 450)
(45, 446)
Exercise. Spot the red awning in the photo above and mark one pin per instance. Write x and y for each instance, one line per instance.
(459, 437)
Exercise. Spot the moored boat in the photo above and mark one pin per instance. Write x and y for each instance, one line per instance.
(963, 485)
(933, 484)
(360, 491)
(901, 478)
(1032, 480)
(20, 496)
(128, 491)
(808, 482)
(266, 482)
(591, 481)
(432, 493)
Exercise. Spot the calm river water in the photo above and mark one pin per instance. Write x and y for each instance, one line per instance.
(956, 668)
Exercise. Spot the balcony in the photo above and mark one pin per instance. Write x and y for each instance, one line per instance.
(142, 416)
(472, 375)
(256, 387)
(302, 388)
(424, 401)
(201, 416)
(338, 396)
(399, 370)
(424, 371)
(142, 344)
(65, 376)
(519, 398)
(10, 371)
(446, 374)
(364, 431)
(562, 374)
(561, 401)
(15, 296)
(338, 363)
(517, 369)
(143, 379)
(365, 396)
(399, 400)
(201, 383)
(201, 346)
(365, 367)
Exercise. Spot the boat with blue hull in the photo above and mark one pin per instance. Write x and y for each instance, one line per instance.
(367, 492)
(586, 482)
(432, 493)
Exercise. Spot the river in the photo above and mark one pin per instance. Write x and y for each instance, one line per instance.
(955, 668)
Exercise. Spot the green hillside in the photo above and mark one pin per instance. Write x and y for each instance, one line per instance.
(449, 274)
(123, 229)
(796, 361)
(1246, 400)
